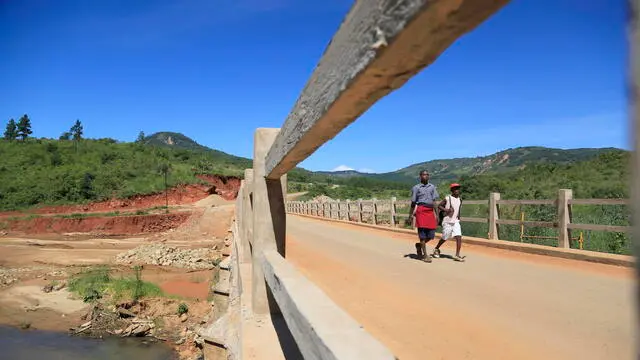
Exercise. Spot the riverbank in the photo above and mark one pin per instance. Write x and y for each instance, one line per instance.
(39, 275)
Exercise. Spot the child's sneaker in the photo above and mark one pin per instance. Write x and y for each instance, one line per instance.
(436, 253)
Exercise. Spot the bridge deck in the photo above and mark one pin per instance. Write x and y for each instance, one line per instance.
(499, 304)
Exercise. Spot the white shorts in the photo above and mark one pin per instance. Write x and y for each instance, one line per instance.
(451, 230)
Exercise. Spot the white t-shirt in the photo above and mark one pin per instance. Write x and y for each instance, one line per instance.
(455, 203)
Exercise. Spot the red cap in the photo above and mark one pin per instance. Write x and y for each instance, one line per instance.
(454, 185)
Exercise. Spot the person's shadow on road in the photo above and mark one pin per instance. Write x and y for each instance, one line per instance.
(415, 257)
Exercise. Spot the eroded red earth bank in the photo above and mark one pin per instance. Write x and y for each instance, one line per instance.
(127, 223)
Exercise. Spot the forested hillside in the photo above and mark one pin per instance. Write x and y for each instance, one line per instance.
(605, 176)
(42, 171)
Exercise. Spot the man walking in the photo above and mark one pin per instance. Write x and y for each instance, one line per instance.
(422, 197)
(451, 223)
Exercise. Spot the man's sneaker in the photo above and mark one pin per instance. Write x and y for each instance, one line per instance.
(436, 253)
(426, 258)
(458, 258)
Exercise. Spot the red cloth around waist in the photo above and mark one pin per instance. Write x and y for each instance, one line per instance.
(425, 217)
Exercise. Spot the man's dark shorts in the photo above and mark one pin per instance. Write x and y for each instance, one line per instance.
(426, 234)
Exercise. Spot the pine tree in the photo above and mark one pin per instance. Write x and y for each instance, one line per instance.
(141, 137)
(77, 130)
(12, 130)
(76, 133)
(24, 127)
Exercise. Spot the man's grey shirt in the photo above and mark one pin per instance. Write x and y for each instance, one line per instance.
(424, 194)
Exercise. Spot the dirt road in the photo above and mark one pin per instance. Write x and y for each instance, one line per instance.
(497, 305)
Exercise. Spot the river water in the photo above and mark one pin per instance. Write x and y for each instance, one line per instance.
(18, 344)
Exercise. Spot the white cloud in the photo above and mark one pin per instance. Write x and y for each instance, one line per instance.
(365, 170)
(342, 168)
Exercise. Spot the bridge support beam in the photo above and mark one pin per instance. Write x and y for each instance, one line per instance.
(269, 219)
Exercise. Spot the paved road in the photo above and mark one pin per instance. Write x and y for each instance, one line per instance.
(497, 305)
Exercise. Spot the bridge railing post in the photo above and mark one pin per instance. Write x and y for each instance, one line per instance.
(564, 218)
(247, 214)
(359, 218)
(348, 210)
(269, 219)
(393, 212)
(493, 216)
(374, 211)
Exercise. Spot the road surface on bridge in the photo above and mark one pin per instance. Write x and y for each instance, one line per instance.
(498, 305)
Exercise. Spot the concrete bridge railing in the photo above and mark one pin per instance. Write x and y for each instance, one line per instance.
(379, 46)
(387, 209)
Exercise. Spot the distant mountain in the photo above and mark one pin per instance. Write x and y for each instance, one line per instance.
(174, 140)
(180, 141)
(503, 161)
(341, 173)
(440, 170)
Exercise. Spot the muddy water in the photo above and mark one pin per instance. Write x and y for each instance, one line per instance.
(18, 344)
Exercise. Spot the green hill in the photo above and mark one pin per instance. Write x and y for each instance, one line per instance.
(500, 162)
(503, 161)
(604, 176)
(44, 171)
(177, 141)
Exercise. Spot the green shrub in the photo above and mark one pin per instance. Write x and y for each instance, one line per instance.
(183, 309)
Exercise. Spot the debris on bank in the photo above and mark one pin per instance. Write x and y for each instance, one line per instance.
(153, 319)
(160, 254)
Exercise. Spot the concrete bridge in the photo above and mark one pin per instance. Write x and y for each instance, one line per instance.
(307, 287)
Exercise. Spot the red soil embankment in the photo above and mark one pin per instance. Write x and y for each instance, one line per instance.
(178, 195)
(115, 225)
(225, 186)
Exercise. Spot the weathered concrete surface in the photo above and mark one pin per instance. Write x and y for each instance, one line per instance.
(497, 305)
(259, 339)
(322, 330)
(264, 233)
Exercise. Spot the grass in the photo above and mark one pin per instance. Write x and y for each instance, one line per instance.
(131, 288)
(183, 309)
(96, 283)
(91, 284)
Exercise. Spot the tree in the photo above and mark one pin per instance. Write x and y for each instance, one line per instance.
(76, 130)
(76, 133)
(24, 127)
(141, 137)
(12, 130)
(165, 169)
(65, 136)
(86, 187)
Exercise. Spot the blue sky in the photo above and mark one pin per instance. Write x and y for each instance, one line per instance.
(543, 72)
